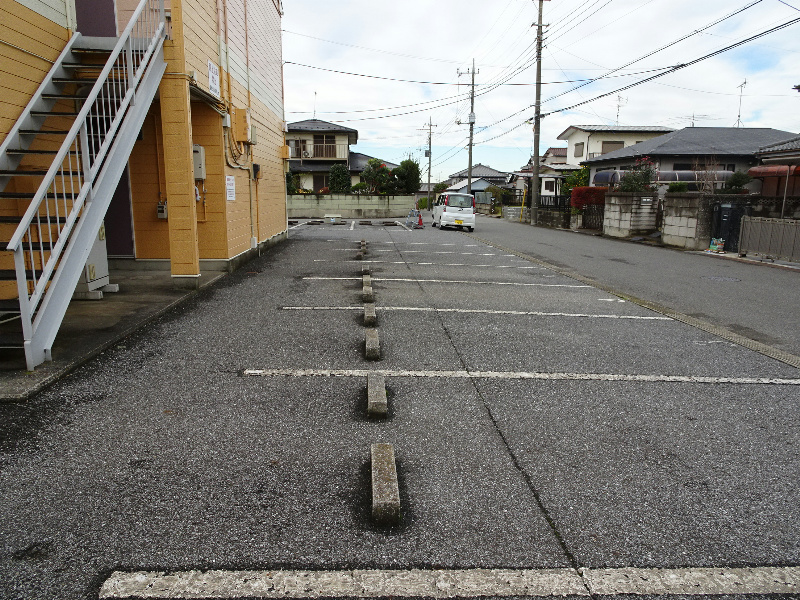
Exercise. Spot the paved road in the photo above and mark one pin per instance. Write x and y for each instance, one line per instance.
(754, 300)
(569, 431)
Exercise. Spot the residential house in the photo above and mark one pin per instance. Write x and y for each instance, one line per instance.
(585, 142)
(485, 172)
(780, 169)
(154, 136)
(316, 145)
(552, 171)
(462, 187)
(714, 150)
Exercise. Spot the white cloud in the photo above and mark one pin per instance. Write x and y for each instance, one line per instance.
(428, 41)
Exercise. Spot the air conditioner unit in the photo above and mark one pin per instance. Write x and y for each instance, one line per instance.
(306, 154)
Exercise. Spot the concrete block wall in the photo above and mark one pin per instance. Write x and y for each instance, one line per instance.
(511, 213)
(687, 221)
(629, 213)
(349, 206)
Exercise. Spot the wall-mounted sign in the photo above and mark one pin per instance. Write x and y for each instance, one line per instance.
(213, 78)
(230, 188)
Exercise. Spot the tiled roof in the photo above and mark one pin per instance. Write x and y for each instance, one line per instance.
(479, 170)
(554, 151)
(616, 129)
(318, 126)
(358, 162)
(699, 141)
(784, 146)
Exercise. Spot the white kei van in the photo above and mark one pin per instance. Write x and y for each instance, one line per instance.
(454, 210)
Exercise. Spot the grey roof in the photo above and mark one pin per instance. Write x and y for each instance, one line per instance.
(479, 170)
(318, 126)
(699, 141)
(618, 128)
(784, 146)
(358, 162)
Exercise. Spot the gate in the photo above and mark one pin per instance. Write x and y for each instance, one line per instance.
(726, 222)
(593, 216)
(775, 238)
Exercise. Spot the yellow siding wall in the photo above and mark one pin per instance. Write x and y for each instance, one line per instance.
(147, 183)
(20, 71)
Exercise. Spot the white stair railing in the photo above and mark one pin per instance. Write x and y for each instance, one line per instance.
(66, 192)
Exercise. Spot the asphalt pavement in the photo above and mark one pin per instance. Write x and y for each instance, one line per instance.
(540, 424)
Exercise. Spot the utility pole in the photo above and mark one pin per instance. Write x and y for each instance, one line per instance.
(429, 154)
(537, 118)
(471, 121)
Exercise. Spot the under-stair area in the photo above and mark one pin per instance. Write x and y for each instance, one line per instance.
(59, 167)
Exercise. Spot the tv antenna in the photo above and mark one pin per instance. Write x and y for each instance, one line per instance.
(620, 103)
(741, 91)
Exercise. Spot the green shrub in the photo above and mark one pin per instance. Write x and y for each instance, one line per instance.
(360, 188)
(575, 179)
(339, 179)
(422, 203)
(737, 181)
(678, 187)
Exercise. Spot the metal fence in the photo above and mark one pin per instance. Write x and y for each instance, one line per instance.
(775, 238)
(560, 203)
(593, 216)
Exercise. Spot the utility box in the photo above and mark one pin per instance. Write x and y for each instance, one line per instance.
(240, 118)
(199, 157)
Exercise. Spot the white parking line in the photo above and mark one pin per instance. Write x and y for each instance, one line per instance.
(404, 262)
(519, 375)
(352, 225)
(459, 281)
(532, 313)
(451, 583)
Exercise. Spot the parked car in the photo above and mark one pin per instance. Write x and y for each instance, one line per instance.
(454, 210)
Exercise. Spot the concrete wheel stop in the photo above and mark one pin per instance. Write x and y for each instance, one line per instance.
(385, 489)
(372, 345)
(377, 401)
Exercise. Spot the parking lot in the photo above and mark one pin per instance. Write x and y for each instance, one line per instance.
(541, 426)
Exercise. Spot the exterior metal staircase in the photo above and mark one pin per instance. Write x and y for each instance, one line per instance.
(60, 165)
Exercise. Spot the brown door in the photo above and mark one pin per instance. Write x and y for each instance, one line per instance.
(96, 17)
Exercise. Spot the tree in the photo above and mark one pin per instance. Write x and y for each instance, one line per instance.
(737, 181)
(292, 183)
(339, 179)
(579, 178)
(377, 176)
(407, 177)
(501, 195)
(439, 188)
(640, 178)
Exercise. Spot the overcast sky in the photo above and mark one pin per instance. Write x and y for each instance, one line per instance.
(427, 43)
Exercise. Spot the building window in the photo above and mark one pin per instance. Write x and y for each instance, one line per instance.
(611, 146)
(682, 167)
(549, 185)
(579, 149)
(321, 181)
(297, 149)
(730, 168)
(325, 146)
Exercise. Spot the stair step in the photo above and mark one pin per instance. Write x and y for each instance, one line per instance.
(16, 220)
(91, 51)
(35, 246)
(9, 305)
(63, 97)
(23, 151)
(93, 66)
(44, 131)
(46, 113)
(8, 275)
(73, 80)
(25, 173)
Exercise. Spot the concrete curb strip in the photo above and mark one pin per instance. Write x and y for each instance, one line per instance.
(372, 345)
(367, 294)
(451, 583)
(377, 402)
(385, 490)
(370, 315)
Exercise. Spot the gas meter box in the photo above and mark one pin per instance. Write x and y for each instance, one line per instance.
(199, 156)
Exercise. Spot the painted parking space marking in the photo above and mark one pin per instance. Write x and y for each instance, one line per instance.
(519, 375)
(457, 281)
(450, 583)
(404, 262)
(533, 313)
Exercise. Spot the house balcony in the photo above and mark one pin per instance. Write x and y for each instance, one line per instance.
(321, 151)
